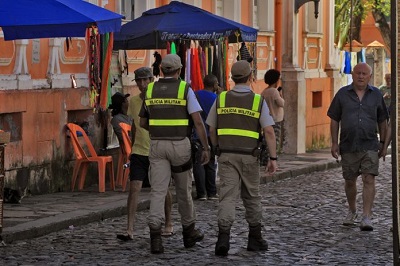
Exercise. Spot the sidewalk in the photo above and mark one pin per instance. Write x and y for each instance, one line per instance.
(42, 214)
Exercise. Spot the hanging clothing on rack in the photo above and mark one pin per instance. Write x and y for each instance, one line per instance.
(226, 73)
(347, 63)
(201, 62)
(173, 48)
(197, 81)
(168, 47)
(216, 63)
(182, 54)
(188, 77)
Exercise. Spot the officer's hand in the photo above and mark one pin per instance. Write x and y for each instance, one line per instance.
(205, 156)
(272, 166)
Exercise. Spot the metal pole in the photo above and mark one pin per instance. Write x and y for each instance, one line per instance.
(351, 25)
(394, 46)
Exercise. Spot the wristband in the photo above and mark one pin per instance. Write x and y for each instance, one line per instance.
(273, 158)
(206, 148)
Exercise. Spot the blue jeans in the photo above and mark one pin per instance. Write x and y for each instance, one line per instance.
(204, 175)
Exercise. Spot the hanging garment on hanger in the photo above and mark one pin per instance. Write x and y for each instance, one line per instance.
(188, 77)
(222, 62)
(201, 62)
(168, 47)
(182, 55)
(215, 63)
(347, 63)
(173, 48)
(226, 85)
(195, 70)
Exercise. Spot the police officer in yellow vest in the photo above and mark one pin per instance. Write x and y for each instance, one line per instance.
(236, 120)
(169, 110)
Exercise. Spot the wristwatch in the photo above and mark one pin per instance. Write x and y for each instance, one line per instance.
(273, 158)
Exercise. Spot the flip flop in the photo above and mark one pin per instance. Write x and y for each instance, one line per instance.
(124, 237)
(168, 234)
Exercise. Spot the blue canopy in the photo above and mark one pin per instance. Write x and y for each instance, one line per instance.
(179, 21)
(28, 19)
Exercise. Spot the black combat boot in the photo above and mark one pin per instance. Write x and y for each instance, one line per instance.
(256, 242)
(191, 235)
(156, 246)
(222, 246)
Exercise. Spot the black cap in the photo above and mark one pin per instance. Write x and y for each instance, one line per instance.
(117, 100)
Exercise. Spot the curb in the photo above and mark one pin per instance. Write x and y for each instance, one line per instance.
(300, 170)
(63, 221)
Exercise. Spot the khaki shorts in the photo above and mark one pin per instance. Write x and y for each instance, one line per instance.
(357, 163)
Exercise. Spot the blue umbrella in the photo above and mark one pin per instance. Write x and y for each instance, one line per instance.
(179, 21)
(28, 19)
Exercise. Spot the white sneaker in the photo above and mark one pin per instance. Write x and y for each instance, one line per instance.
(350, 218)
(366, 224)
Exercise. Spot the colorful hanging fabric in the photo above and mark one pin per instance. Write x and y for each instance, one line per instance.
(347, 63)
(105, 93)
(168, 47)
(215, 64)
(197, 80)
(188, 64)
(353, 59)
(194, 70)
(222, 62)
(182, 54)
(173, 48)
(342, 62)
(209, 59)
(244, 53)
(201, 62)
(94, 65)
(226, 74)
(363, 57)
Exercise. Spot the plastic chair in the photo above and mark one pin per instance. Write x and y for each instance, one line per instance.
(82, 160)
(125, 151)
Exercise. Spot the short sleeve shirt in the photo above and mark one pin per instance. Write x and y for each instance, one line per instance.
(115, 124)
(358, 120)
(141, 145)
(385, 89)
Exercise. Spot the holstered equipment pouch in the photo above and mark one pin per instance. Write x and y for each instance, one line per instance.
(182, 168)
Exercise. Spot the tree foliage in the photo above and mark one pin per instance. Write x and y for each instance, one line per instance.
(351, 14)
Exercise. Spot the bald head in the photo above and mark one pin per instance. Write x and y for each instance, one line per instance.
(388, 79)
(363, 67)
(361, 74)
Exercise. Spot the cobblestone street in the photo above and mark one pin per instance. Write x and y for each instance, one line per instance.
(302, 224)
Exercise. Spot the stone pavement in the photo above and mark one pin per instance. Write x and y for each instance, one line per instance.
(302, 217)
(41, 214)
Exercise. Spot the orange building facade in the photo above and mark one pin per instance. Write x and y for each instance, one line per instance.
(37, 97)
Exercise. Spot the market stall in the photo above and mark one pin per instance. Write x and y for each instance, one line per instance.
(199, 37)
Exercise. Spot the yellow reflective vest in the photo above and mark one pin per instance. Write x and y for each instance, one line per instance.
(167, 107)
(238, 115)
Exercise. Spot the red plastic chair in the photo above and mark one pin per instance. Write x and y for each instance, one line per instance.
(125, 151)
(82, 160)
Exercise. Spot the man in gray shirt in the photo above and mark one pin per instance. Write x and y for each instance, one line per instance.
(359, 108)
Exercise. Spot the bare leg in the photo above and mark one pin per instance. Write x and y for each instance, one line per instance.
(135, 187)
(350, 187)
(368, 194)
(169, 227)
